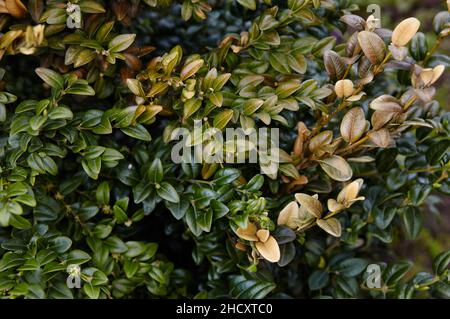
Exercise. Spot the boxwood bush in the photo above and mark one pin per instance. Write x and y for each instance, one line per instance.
(93, 92)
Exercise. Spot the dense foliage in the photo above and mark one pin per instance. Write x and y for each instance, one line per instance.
(93, 92)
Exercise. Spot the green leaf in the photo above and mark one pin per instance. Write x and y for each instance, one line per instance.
(284, 235)
(78, 257)
(120, 208)
(441, 263)
(61, 244)
(82, 58)
(247, 288)
(139, 132)
(26, 199)
(116, 245)
(249, 4)
(50, 77)
(287, 254)
(102, 231)
(91, 6)
(102, 193)
(386, 159)
(279, 62)
(10, 260)
(37, 121)
(286, 89)
(81, 87)
(190, 107)
(221, 119)
(41, 163)
(130, 267)
(351, 267)
(104, 127)
(121, 42)
(418, 193)
(135, 248)
(437, 150)
(141, 191)
(111, 156)
(92, 167)
(219, 209)
(19, 222)
(191, 220)
(216, 98)
(167, 192)
(318, 279)
(136, 87)
(393, 274)
(178, 209)
(204, 220)
(29, 265)
(190, 68)
(93, 152)
(155, 171)
(412, 221)
(255, 183)
(384, 217)
(91, 291)
(103, 32)
(226, 176)
(418, 47)
(252, 105)
(61, 112)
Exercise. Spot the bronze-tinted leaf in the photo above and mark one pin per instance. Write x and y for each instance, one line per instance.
(36, 7)
(354, 21)
(381, 118)
(353, 48)
(372, 45)
(318, 142)
(381, 138)
(334, 65)
(364, 67)
(353, 125)
(386, 103)
(15, 8)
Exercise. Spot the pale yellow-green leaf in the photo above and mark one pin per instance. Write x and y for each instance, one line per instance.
(332, 226)
(311, 204)
(337, 168)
